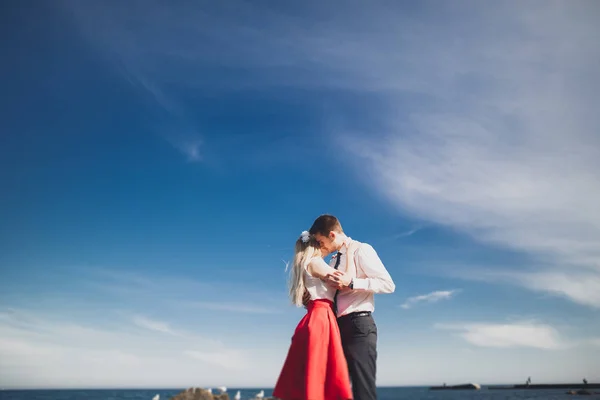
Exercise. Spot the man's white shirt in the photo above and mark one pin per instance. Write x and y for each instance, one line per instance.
(371, 277)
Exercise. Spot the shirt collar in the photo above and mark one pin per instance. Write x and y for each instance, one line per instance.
(345, 244)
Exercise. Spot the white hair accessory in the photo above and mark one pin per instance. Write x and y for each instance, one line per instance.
(305, 236)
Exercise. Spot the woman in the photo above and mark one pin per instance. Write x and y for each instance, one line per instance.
(315, 367)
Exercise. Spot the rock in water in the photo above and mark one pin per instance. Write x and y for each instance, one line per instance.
(199, 394)
(580, 392)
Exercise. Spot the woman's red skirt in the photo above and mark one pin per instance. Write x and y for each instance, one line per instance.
(315, 367)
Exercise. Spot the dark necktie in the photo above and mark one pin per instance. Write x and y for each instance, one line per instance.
(337, 265)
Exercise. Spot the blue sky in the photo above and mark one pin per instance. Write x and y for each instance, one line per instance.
(158, 163)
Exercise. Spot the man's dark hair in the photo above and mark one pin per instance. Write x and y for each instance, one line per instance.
(325, 224)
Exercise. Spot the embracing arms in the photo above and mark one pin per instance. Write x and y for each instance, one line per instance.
(378, 279)
(319, 268)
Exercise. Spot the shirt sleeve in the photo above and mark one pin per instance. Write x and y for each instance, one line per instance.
(378, 279)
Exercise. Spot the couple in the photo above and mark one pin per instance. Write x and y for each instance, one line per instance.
(336, 341)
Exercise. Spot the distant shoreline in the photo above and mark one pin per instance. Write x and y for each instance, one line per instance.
(546, 386)
(508, 386)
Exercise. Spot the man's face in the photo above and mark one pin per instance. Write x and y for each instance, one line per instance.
(326, 242)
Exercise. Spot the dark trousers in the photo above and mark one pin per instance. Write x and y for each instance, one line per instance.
(359, 339)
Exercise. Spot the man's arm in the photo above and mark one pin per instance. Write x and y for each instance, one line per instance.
(305, 298)
(378, 279)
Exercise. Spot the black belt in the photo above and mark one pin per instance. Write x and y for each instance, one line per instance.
(356, 314)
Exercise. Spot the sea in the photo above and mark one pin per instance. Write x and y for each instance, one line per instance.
(384, 393)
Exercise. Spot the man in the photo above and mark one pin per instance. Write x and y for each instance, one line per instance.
(355, 302)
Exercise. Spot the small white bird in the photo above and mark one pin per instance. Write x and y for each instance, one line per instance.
(223, 389)
(260, 394)
(157, 397)
(237, 396)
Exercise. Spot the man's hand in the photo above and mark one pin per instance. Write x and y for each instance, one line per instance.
(305, 298)
(338, 280)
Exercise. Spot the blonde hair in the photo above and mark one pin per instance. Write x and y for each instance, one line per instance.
(304, 252)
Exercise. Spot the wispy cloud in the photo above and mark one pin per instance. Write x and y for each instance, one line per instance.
(229, 359)
(232, 307)
(432, 297)
(60, 352)
(579, 286)
(407, 233)
(123, 50)
(190, 146)
(174, 291)
(507, 151)
(143, 325)
(148, 287)
(154, 325)
(521, 334)
(501, 142)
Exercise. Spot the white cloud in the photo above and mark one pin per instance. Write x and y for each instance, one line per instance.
(524, 334)
(192, 149)
(507, 150)
(407, 233)
(56, 352)
(501, 142)
(579, 286)
(124, 281)
(429, 298)
(184, 294)
(188, 144)
(229, 359)
(484, 150)
(232, 307)
(153, 325)
(146, 328)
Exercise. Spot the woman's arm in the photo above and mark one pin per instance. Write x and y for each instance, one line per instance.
(319, 268)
